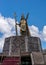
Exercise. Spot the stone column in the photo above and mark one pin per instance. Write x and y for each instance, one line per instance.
(10, 46)
(26, 43)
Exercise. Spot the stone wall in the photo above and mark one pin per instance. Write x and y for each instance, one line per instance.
(37, 58)
(45, 59)
(19, 44)
(34, 44)
(6, 46)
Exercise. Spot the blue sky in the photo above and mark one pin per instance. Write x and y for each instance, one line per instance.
(36, 9)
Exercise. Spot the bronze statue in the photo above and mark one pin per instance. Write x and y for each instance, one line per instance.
(23, 26)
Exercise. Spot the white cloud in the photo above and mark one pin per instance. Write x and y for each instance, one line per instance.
(34, 30)
(37, 33)
(44, 33)
(7, 27)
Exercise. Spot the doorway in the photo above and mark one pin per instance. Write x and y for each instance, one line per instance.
(26, 60)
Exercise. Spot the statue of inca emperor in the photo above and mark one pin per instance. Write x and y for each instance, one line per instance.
(23, 26)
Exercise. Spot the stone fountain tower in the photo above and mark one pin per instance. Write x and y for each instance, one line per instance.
(23, 49)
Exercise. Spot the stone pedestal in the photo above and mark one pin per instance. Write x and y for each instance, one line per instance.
(13, 45)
